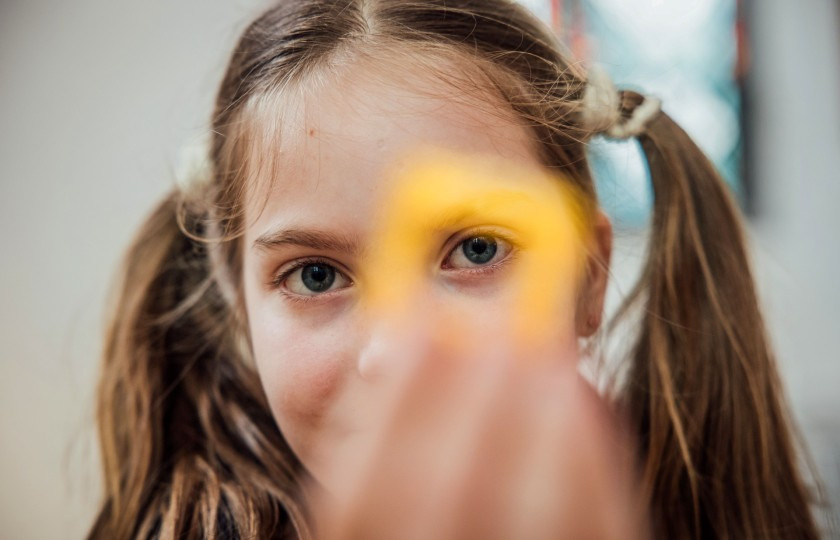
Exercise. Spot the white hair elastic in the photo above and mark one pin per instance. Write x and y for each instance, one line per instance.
(602, 109)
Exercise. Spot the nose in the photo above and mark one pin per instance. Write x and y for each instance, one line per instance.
(393, 341)
(373, 356)
(385, 344)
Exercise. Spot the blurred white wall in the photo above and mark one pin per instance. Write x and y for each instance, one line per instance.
(796, 130)
(96, 99)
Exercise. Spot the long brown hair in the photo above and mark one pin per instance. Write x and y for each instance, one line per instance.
(189, 446)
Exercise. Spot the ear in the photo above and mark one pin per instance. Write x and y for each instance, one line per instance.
(590, 306)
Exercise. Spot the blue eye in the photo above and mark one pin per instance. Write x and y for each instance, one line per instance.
(313, 278)
(479, 249)
(317, 277)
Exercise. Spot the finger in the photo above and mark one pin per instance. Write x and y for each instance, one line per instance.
(461, 425)
(577, 480)
(447, 453)
(423, 446)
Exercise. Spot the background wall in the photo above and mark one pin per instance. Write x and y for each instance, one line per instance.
(96, 99)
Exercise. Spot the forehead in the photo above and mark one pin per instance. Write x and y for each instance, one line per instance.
(341, 130)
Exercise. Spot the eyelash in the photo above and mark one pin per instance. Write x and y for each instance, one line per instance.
(280, 279)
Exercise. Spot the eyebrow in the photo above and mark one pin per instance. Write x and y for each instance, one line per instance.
(320, 240)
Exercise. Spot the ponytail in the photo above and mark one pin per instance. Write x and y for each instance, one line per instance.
(188, 445)
(702, 389)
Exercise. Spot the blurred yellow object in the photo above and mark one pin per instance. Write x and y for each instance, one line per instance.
(440, 191)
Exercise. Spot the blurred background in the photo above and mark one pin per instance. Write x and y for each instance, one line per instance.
(99, 99)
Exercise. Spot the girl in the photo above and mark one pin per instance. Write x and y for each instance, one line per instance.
(242, 379)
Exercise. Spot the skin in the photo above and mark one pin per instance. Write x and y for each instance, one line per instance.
(348, 387)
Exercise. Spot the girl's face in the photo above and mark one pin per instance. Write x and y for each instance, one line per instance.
(306, 236)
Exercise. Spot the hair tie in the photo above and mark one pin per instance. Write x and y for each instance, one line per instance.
(602, 109)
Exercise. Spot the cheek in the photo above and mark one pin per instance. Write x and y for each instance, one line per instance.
(302, 370)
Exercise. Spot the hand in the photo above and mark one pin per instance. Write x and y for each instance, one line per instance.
(495, 442)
